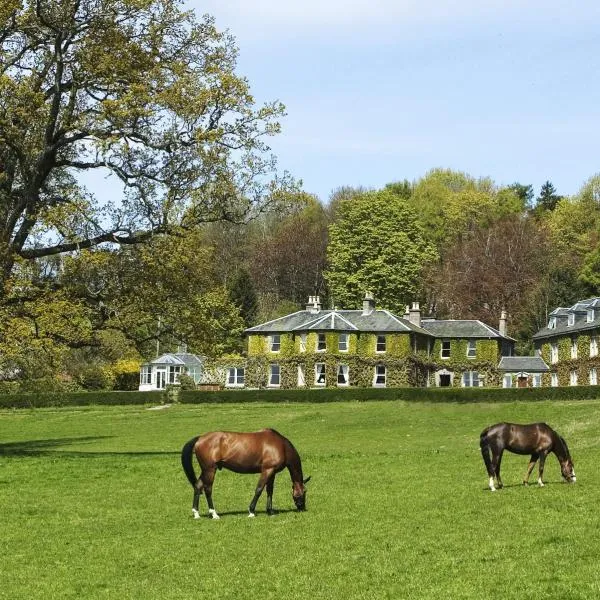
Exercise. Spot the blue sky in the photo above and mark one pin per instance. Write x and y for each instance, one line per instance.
(382, 90)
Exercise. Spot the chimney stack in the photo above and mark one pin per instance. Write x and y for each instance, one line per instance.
(368, 304)
(314, 304)
(414, 314)
(406, 314)
(502, 325)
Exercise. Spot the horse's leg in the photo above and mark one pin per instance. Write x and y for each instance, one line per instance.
(270, 486)
(496, 457)
(498, 463)
(197, 493)
(541, 469)
(208, 478)
(532, 462)
(262, 481)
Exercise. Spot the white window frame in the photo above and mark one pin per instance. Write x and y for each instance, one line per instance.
(471, 379)
(321, 342)
(574, 348)
(380, 376)
(573, 378)
(552, 323)
(344, 371)
(146, 375)
(445, 351)
(471, 348)
(303, 342)
(590, 315)
(571, 320)
(381, 344)
(593, 377)
(236, 377)
(275, 342)
(593, 346)
(554, 379)
(553, 353)
(320, 374)
(173, 373)
(301, 376)
(274, 375)
(536, 380)
(507, 381)
(343, 342)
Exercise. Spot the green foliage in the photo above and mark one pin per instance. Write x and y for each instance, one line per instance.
(142, 90)
(243, 295)
(43, 399)
(377, 244)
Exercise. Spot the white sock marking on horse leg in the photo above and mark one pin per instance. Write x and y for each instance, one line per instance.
(213, 513)
(574, 478)
(195, 513)
(540, 482)
(251, 515)
(492, 484)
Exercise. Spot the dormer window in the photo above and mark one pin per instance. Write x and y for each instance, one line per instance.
(275, 342)
(590, 315)
(571, 319)
(552, 323)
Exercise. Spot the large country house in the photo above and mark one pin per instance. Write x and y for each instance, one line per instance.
(569, 344)
(319, 347)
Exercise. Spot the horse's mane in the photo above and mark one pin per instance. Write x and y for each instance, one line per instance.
(564, 443)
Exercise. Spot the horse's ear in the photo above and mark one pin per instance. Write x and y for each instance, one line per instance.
(307, 479)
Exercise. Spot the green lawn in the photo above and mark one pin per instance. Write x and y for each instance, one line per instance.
(94, 504)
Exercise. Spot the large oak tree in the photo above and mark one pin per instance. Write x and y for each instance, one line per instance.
(138, 90)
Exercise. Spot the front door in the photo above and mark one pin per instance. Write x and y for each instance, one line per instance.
(444, 380)
(522, 381)
(161, 378)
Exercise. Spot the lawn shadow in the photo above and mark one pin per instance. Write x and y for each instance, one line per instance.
(52, 447)
(259, 513)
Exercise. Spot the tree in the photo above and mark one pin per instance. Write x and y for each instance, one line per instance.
(243, 295)
(523, 192)
(287, 258)
(548, 198)
(501, 267)
(135, 89)
(377, 244)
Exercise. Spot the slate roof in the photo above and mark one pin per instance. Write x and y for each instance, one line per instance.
(561, 316)
(464, 329)
(525, 364)
(338, 320)
(180, 358)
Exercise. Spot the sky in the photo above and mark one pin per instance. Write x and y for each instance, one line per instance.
(384, 90)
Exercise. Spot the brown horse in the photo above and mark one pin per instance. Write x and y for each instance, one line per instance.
(537, 439)
(266, 452)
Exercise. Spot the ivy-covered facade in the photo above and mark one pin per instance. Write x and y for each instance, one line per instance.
(569, 344)
(370, 347)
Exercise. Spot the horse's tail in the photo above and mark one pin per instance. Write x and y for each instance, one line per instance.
(484, 444)
(186, 460)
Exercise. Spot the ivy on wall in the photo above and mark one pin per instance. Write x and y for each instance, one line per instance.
(565, 365)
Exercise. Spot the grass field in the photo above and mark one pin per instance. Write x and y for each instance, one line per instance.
(94, 504)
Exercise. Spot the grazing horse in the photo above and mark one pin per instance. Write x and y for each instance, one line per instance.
(266, 452)
(537, 439)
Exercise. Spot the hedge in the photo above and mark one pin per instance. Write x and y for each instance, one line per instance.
(410, 394)
(351, 394)
(110, 398)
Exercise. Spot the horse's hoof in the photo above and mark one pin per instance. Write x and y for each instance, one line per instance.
(251, 515)
(195, 513)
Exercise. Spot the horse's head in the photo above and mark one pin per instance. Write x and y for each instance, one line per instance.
(568, 470)
(299, 493)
